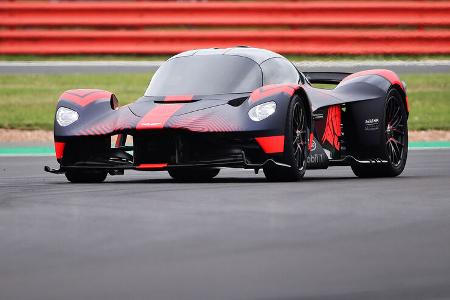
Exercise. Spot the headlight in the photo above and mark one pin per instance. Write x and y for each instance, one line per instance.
(262, 111)
(66, 116)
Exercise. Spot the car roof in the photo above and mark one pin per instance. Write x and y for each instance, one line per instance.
(258, 55)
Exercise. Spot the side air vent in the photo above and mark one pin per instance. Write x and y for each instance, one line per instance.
(175, 101)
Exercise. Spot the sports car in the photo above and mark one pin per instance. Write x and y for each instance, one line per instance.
(238, 107)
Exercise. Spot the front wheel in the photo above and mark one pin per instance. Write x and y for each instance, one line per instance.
(394, 141)
(193, 174)
(86, 176)
(295, 145)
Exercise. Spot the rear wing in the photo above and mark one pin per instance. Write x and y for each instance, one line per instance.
(325, 77)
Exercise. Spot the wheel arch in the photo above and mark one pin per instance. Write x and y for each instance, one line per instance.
(391, 77)
(302, 94)
(402, 93)
(96, 111)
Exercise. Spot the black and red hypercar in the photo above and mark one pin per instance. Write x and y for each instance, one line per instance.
(237, 107)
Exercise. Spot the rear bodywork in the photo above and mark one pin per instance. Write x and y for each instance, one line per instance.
(186, 130)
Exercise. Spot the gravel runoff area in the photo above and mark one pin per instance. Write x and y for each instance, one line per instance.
(42, 136)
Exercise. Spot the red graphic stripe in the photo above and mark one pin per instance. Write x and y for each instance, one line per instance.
(184, 98)
(84, 97)
(311, 141)
(271, 89)
(333, 127)
(82, 92)
(152, 166)
(271, 144)
(389, 75)
(157, 117)
(70, 97)
(59, 149)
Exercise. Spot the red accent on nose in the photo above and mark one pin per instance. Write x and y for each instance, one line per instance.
(59, 149)
(271, 144)
(85, 97)
(158, 116)
(185, 98)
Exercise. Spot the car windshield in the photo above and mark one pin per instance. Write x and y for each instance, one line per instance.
(205, 75)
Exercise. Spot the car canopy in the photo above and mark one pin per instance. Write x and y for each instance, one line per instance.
(206, 75)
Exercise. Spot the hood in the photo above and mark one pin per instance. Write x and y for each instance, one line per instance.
(186, 104)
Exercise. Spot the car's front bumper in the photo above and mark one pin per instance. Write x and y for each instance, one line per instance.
(165, 149)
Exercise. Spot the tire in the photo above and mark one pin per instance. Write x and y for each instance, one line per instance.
(394, 141)
(193, 174)
(295, 145)
(86, 176)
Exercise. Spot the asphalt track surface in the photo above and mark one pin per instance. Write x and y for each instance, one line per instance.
(142, 236)
(423, 66)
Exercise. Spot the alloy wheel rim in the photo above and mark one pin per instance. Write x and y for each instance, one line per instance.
(395, 129)
(299, 136)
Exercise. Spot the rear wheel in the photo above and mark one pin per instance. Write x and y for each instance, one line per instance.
(86, 176)
(295, 145)
(193, 174)
(395, 141)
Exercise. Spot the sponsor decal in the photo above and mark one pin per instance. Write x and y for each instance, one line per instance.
(157, 124)
(371, 124)
(313, 146)
(157, 117)
(317, 116)
(317, 158)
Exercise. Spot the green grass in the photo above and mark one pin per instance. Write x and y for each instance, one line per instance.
(28, 101)
(429, 99)
(164, 57)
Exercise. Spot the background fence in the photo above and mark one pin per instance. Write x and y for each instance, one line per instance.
(317, 27)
